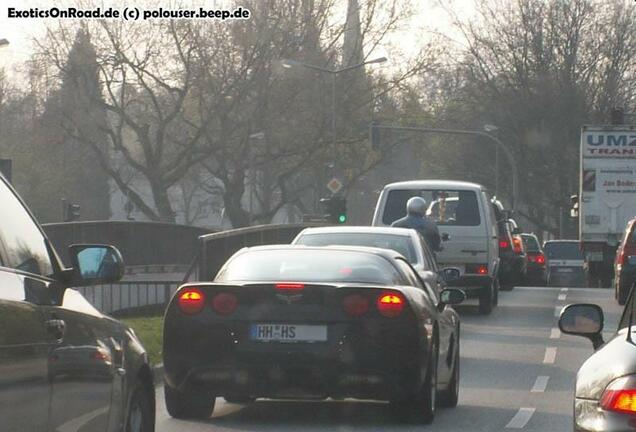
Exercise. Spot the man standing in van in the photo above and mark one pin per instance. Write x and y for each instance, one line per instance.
(416, 219)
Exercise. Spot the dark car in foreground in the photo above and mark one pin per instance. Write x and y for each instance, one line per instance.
(536, 273)
(625, 264)
(605, 391)
(63, 365)
(311, 322)
(564, 263)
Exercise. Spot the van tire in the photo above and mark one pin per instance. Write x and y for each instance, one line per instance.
(486, 300)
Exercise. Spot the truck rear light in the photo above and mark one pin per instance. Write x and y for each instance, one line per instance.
(191, 301)
(355, 304)
(224, 303)
(390, 304)
(620, 395)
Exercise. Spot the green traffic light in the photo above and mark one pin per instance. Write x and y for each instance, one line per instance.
(342, 218)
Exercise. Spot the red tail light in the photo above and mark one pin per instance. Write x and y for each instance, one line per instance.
(191, 301)
(540, 259)
(504, 244)
(480, 269)
(224, 303)
(517, 245)
(285, 286)
(390, 304)
(355, 304)
(620, 396)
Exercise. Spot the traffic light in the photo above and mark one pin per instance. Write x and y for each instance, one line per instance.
(71, 211)
(336, 208)
(374, 135)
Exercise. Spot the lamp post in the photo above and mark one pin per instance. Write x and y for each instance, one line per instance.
(287, 63)
(258, 136)
(492, 128)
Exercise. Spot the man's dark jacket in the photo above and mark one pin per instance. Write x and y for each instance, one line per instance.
(424, 226)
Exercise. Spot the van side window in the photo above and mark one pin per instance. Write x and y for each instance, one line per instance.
(21, 238)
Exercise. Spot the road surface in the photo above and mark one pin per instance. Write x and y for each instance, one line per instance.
(517, 373)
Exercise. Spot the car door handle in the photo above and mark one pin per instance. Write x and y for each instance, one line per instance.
(56, 327)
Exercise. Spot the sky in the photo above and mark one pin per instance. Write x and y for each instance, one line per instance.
(429, 15)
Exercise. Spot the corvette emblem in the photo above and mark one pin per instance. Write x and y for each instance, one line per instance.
(289, 299)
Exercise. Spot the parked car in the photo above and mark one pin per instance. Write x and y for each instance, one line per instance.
(513, 262)
(625, 264)
(536, 272)
(407, 242)
(312, 322)
(606, 383)
(64, 365)
(564, 263)
(463, 212)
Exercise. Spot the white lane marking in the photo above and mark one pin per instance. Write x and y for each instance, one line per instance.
(562, 296)
(557, 310)
(564, 290)
(520, 419)
(555, 333)
(77, 423)
(540, 384)
(550, 355)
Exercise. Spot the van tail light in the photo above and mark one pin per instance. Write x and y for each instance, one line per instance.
(620, 395)
(355, 304)
(390, 304)
(191, 301)
(517, 245)
(480, 269)
(224, 303)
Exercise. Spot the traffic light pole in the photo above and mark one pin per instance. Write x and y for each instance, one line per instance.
(513, 163)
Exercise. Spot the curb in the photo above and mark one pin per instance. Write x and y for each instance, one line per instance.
(158, 374)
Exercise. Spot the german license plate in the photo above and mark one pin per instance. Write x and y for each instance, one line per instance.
(288, 333)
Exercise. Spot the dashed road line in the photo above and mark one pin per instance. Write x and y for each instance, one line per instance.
(562, 296)
(555, 333)
(520, 419)
(557, 310)
(540, 384)
(550, 355)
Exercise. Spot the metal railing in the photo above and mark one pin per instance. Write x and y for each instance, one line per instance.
(129, 294)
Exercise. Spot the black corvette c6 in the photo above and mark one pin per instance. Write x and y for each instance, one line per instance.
(311, 322)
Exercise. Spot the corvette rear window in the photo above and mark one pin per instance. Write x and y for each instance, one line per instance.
(309, 266)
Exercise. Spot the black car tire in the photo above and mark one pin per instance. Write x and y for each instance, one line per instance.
(486, 300)
(188, 405)
(139, 410)
(239, 399)
(420, 407)
(449, 397)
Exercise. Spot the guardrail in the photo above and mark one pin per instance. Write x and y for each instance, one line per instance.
(129, 294)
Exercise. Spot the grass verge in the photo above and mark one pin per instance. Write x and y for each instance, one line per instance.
(150, 332)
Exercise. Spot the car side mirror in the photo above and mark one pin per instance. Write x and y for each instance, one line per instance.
(452, 296)
(451, 274)
(96, 264)
(446, 237)
(583, 319)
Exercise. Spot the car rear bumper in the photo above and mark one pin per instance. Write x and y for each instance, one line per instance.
(589, 418)
(472, 285)
(574, 278)
(374, 363)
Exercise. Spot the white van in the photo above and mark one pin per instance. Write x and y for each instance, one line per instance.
(463, 211)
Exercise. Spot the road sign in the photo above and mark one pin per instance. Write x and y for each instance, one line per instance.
(334, 185)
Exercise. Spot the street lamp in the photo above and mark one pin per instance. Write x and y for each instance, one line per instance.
(288, 64)
(492, 128)
(258, 136)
